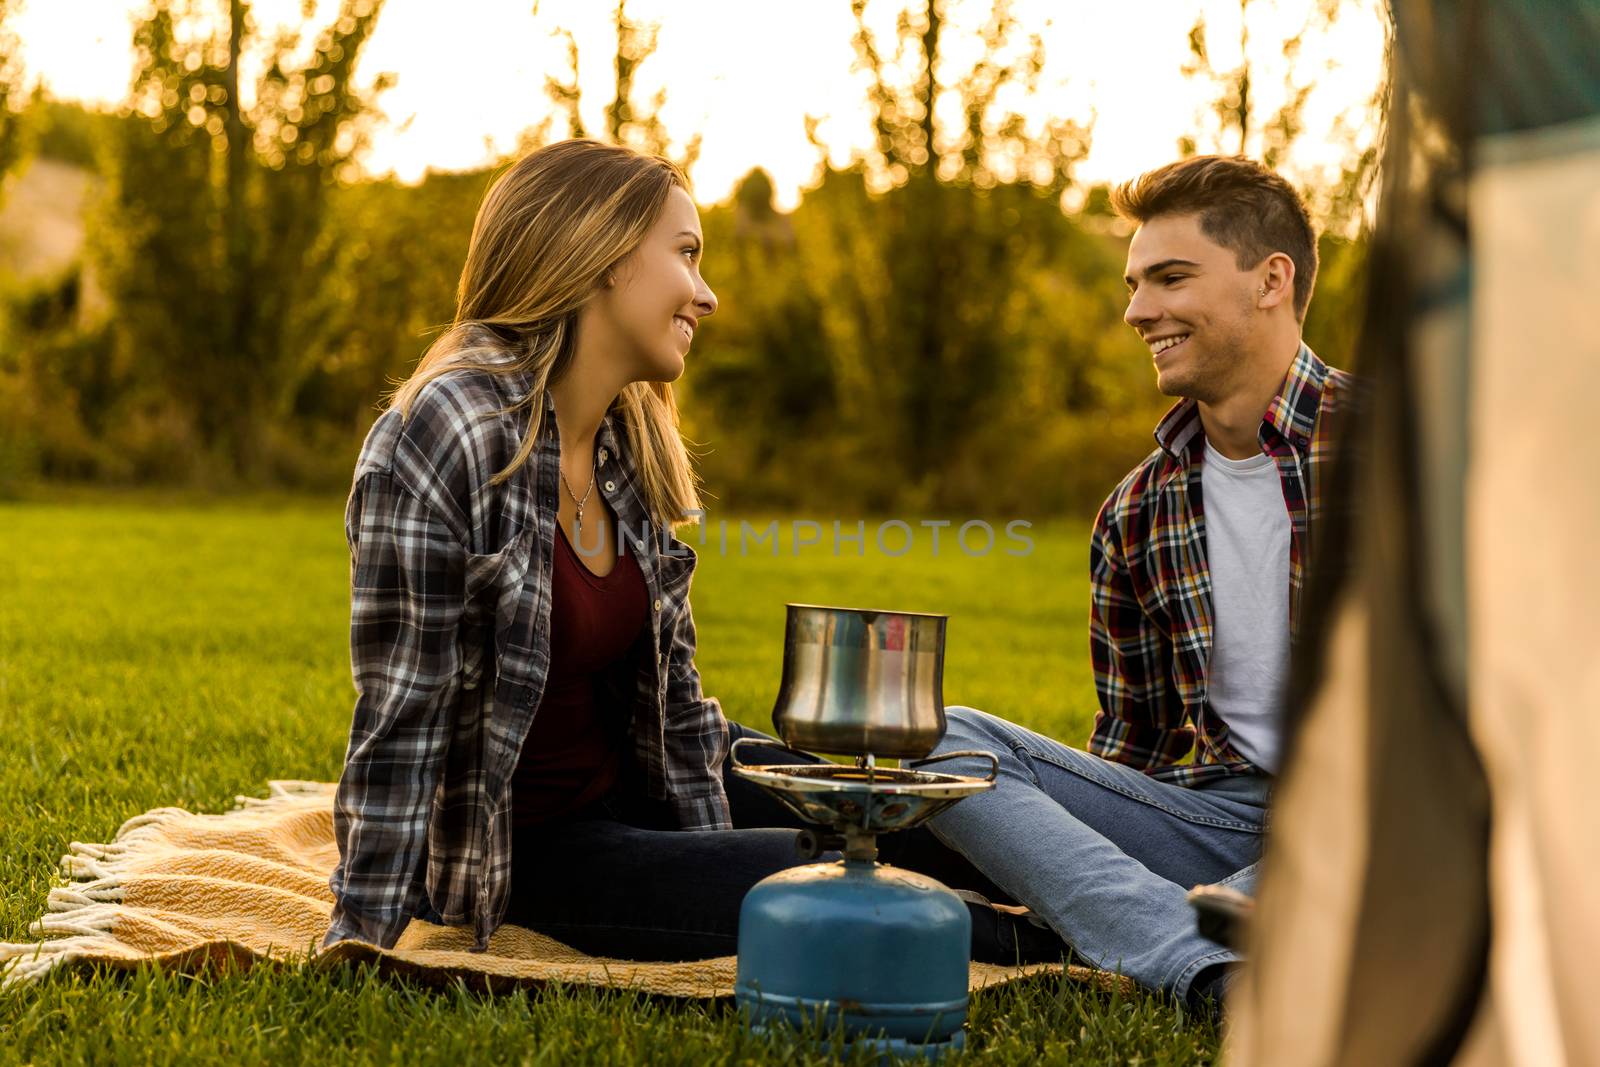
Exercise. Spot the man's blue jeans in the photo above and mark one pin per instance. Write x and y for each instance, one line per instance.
(1102, 852)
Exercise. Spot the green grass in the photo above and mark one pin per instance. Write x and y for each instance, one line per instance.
(160, 652)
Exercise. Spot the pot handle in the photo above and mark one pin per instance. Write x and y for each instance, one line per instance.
(733, 751)
(994, 762)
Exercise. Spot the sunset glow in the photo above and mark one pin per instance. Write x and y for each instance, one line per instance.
(745, 74)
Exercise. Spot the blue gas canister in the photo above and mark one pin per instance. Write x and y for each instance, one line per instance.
(881, 950)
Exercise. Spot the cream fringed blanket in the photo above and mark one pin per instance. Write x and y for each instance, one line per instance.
(183, 889)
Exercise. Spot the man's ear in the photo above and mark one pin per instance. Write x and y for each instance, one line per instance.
(1276, 283)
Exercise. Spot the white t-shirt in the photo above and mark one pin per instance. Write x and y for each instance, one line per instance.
(1247, 550)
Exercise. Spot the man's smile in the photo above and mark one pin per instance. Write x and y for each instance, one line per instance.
(1166, 344)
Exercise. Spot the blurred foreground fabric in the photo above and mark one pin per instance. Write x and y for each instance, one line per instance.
(1429, 889)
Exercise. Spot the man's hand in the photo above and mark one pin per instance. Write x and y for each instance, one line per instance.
(1221, 913)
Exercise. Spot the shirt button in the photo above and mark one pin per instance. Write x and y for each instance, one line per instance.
(604, 455)
(658, 605)
(611, 487)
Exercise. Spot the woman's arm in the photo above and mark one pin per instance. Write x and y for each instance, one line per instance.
(696, 736)
(407, 597)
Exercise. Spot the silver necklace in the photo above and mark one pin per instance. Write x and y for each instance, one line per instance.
(577, 526)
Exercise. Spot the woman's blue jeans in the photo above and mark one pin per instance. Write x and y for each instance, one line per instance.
(616, 880)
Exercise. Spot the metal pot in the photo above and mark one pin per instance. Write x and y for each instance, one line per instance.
(859, 682)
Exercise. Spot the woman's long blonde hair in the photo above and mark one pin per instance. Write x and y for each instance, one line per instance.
(548, 231)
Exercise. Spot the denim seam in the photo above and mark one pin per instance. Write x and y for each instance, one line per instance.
(1239, 875)
(1018, 743)
(1025, 757)
(1117, 787)
(1186, 975)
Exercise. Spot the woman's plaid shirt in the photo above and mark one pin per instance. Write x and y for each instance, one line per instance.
(1150, 628)
(449, 644)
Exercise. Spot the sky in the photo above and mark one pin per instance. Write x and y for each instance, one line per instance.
(745, 74)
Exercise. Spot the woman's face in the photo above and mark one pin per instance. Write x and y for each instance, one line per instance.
(650, 313)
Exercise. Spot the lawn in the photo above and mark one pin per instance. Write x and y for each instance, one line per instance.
(158, 653)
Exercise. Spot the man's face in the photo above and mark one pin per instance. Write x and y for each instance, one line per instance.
(1191, 304)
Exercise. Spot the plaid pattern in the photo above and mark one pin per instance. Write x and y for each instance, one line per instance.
(1150, 629)
(449, 643)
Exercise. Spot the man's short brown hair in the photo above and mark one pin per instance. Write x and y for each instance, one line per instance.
(1243, 206)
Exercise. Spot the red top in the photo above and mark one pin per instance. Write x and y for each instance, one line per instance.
(569, 758)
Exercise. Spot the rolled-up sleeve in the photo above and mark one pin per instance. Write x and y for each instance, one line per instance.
(407, 599)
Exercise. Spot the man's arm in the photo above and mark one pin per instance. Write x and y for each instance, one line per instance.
(407, 597)
(1140, 721)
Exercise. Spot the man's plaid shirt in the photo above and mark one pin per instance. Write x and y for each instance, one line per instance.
(449, 643)
(1150, 628)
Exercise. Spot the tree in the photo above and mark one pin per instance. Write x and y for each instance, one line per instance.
(928, 317)
(395, 258)
(1232, 120)
(627, 121)
(1233, 109)
(12, 139)
(929, 275)
(992, 144)
(209, 234)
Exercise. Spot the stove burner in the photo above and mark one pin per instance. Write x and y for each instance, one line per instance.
(867, 800)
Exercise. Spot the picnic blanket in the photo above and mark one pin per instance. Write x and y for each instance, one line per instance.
(186, 890)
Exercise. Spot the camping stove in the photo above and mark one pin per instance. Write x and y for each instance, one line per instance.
(880, 950)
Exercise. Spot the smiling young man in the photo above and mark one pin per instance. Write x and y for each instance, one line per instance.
(1197, 561)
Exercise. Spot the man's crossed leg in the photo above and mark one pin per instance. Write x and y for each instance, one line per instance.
(1100, 851)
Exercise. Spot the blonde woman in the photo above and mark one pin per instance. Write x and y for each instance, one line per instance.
(530, 741)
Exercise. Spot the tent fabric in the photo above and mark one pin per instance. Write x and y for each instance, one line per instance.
(1504, 66)
(1428, 895)
(1533, 515)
